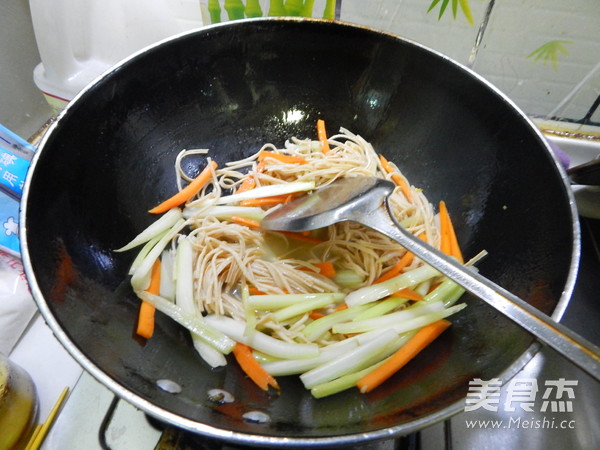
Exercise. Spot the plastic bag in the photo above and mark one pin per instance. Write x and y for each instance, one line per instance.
(17, 307)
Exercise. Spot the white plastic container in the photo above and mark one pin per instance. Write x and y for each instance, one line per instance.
(80, 39)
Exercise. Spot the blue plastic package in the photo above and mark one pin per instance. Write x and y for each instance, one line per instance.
(15, 158)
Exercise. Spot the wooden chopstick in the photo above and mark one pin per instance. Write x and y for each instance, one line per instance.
(41, 430)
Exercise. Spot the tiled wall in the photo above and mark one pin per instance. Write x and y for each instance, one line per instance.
(569, 89)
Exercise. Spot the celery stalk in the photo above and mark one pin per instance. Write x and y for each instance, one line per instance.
(144, 252)
(347, 381)
(423, 288)
(350, 361)
(268, 191)
(167, 282)
(212, 356)
(388, 320)
(381, 308)
(260, 341)
(453, 297)
(348, 278)
(184, 278)
(224, 212)
(380, 290)
(316, 329)
(342, 383)
(249, 313)
(184, 298)
(267, 302)
(297, 366)
(448, 293)
(206, 332)
(166, 221)
(441, 291)
(141, 277)
(263, 358)
(306, 306)
(426, 319)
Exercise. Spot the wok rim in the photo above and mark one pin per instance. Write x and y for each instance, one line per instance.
(276, 441)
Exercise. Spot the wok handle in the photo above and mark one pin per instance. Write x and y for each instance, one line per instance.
(569, 344)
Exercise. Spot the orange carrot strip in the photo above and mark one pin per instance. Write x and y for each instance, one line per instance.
(246, 185)
(154, 286)
(326, 269)
(254, 291)
(401, 182)
(317, 315)
(444, 240)
(454, 247)
(449, 242)
(243, 355)
(322, 136)
(418, 342)
(406, 259)
(187, 192)
(286, 159)
(433, 287)
(145, 323)
(250, 223)
(250, 183)
(408, 294)
(301, 237)
(267, 201)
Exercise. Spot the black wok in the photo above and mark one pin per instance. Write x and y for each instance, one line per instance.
(231, 88)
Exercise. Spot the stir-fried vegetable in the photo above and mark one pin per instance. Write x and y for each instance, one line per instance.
(449, 242)
(322, 135)
(267, 191)
(422, 339)
(341, 307)
(188, 192)
(396, 178)
(256, 372)
(145, 325)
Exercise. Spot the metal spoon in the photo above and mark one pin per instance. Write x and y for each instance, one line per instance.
(364, 200)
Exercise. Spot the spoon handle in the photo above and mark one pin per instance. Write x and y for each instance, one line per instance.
(572, 346)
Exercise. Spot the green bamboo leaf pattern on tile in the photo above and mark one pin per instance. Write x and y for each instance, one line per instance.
(236, 9)
(253, 8)
(549, 52)
(464, 7)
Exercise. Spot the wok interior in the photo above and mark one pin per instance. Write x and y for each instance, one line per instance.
(231, 89)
